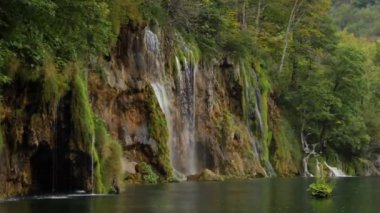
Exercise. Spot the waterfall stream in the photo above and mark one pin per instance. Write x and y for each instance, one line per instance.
(258, 101)
(270, 172)
(309, 153)
(186, 93)
(335, 172)
(178, 106)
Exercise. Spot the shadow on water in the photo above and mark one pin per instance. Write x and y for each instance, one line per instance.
(260, 195)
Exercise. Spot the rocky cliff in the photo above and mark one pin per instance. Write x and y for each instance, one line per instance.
(173, 113)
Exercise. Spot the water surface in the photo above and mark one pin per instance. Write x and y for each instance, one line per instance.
(261, 195)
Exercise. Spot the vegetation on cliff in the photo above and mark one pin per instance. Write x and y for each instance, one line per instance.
(158, 130)
(299, 75)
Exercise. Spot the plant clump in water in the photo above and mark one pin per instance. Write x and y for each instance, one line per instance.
(322, 188)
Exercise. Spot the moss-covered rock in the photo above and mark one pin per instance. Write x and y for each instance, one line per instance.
(159, 132)
(81, 114)
(108, 153)
(208, 175)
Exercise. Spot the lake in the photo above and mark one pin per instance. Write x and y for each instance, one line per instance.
(357, 195)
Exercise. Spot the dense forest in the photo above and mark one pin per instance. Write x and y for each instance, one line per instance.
(299, 79)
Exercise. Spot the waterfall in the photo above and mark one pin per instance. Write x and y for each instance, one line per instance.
(270, 172)
(335, 172)
(152, 42)
(186, 93)
(159, 91)
(178, 106)
(309, 152)
(163, 101)
(258, 101)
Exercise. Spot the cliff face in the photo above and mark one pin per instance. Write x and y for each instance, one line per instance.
(163, 103)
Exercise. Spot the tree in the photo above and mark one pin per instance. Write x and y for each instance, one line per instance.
(67, 30)
(349, 134)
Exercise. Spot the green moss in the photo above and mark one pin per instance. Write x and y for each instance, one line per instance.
(225, 125)
(81, 114)
(87, 128)
(149, 176)
(108, 154)
(98, 177)
(264, 85)
(159, 131)
(54, 85)
(247, 96)
(288, 150)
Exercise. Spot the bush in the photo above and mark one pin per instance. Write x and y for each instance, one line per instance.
(149, 176)
(321, 188)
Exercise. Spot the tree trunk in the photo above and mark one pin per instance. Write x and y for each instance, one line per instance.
(258, 18)
(287, 33)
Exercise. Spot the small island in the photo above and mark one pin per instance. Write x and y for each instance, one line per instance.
(321, 189)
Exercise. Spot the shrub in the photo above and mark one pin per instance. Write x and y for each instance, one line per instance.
(149, 176)
(321, 188)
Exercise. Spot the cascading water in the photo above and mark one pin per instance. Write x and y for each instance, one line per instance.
(309, 153)
(186, 93)
(159, 91)
(258, 112)
(179, 107)
(258, 100)
(335, 172)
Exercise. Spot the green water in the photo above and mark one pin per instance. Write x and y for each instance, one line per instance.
(357, 195)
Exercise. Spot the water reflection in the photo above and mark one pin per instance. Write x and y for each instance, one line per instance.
(261, 195)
